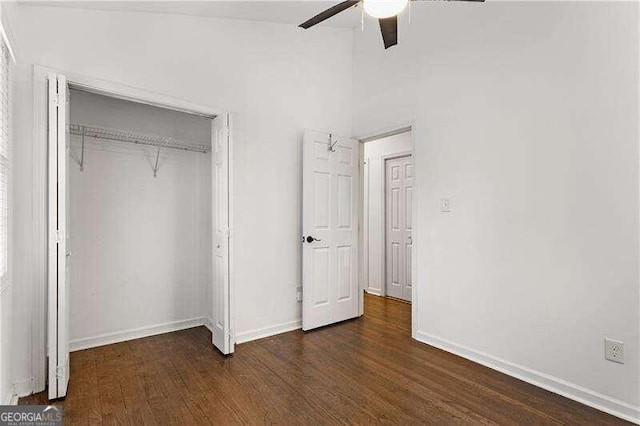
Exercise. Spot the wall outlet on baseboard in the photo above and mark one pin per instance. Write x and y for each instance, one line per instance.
(614, 350)
(299, 293)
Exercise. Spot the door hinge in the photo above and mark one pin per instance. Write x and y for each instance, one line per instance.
(57, 236)
(60, 371)
(57, 101)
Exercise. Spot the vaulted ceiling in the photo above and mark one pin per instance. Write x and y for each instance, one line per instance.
(288, 12)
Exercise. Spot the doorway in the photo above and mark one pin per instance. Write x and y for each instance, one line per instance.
(387, 215)
(130, 179)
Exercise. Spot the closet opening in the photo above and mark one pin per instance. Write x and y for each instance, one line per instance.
(138, 222)
(139, 219)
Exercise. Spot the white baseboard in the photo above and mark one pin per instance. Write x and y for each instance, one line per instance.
(22, 388)
(135, 333)
(553, 384)
(259, 333)
(208, 322)
(11, 398)
(373, 291)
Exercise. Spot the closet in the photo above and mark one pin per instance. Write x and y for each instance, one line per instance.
(139, 219)
(138, 197)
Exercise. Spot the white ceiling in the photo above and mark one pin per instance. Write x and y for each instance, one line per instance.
(287, 12)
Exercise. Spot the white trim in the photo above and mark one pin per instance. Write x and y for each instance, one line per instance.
(23, 388)
(402, 127)
(208, 322)
(416, 240)
(11, 398)
(553, 384)
(38, 277)
(134, 94)
(231, 203)
(373, 291)
(7, 43)
(7, 36)
(134, 333)
(366, 185)
(272, 330)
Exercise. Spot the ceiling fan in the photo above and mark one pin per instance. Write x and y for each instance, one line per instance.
(386, 11)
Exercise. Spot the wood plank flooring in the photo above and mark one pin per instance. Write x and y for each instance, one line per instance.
(367, 370)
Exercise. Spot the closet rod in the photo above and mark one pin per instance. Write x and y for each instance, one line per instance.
(137, 138)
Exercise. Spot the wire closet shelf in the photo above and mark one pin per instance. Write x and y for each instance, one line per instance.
(137, 138)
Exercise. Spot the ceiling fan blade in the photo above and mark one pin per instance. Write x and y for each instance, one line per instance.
(323, 16)
(389, 30)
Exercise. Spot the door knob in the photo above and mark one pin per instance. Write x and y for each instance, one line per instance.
(310, 239)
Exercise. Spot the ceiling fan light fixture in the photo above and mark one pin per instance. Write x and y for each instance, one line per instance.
(381, 9)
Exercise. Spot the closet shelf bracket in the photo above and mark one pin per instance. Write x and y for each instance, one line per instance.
(155, 167)
(82, 154)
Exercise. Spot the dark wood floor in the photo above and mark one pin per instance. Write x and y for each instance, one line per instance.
(366, 370)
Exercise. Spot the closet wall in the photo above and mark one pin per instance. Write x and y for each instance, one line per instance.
(141, 246)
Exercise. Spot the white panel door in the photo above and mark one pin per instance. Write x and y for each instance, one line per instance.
(398, 238)
(330, 229)
(222, 338)
(58, 247)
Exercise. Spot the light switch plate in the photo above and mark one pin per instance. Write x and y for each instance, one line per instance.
(445, 206)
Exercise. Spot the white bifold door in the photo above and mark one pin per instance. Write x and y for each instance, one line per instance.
(330, 229)
(58, 236)
(399, 243)
(222, 337)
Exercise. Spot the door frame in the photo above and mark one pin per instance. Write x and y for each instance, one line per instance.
(39, 276)
(369, 136)
(383, 173)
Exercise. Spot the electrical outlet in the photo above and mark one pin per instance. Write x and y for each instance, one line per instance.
(299, 293)
(614, 350)
(445, 206)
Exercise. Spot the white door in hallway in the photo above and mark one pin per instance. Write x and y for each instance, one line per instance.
(58, 233)
(330, 229)
(398, 238)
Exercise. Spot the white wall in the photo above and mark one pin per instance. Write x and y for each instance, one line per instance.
(141, 246)
(374, 204)
(276, 81)
(6, 327)
(527, 119)
(8, 309)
